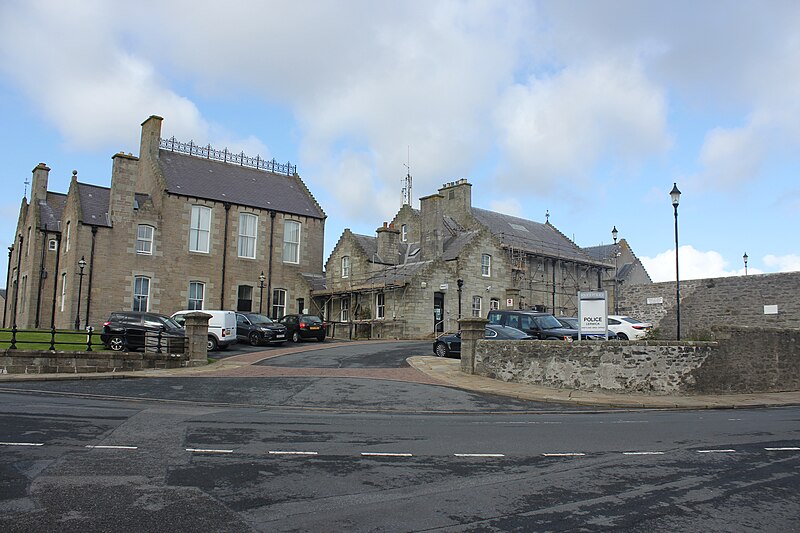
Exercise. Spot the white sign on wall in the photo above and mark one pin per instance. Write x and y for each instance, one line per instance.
(509, 302)
(653, 301)
(592, 312)
(770, 309)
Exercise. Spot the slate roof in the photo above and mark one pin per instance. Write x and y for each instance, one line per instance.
(534, 237)
(395, 275)
(604, 252)
(50, 211)
(224, 182)
(316, 281)
(94, 204)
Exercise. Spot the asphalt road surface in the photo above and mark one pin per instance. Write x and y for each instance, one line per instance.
(344, 454)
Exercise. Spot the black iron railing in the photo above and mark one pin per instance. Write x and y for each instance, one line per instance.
(226, 156)
(89, 340)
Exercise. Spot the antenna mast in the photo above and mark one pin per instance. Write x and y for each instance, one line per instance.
(407, 195)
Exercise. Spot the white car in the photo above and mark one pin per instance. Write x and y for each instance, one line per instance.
(628, 328)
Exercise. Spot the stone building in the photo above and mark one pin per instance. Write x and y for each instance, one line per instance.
(181, 227)
(428, 267)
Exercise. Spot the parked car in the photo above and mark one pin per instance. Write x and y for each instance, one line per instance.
(259, 329)
(628, 328)
(449, 344)
(131, 330)
(221, 327)
(543, 326)
(300, 327)
(572, 322)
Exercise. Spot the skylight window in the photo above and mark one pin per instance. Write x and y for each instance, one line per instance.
(518, 227)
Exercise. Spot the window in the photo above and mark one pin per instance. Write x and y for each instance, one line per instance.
(344, 309)
(63, 290)
(28, 243)
(141, 293)
(494, 304)
(66, 243)
(52, 245)
(200, 229)
(476, 306)
(346, 266)
(244, 301)
(404, 232)
(291, 241)
(197, 290)
(278, 303)
(380, 305)
(144, 239)
(248, 227)
(486, 265)
(23, 290)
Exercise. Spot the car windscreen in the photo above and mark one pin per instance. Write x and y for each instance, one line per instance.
(631, 320)
(548, 322)
(259, 319)
(512, 333)
(170, 323)
(312, 320)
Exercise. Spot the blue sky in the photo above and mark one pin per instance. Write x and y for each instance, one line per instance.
(588, 110)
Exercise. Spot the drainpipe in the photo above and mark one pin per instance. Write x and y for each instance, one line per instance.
(55, 282)
(554, 286)
(16, 284)
(269, 266)
(42, 274)
(8, 282)
(224, 257)
(91, 271)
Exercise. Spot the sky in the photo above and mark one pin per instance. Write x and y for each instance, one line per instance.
(588, 111)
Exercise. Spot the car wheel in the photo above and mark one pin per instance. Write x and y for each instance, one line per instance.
(295, 337)
(622, 336)
(116, 343)
(255, 339)
(212, 346)
(441, 350)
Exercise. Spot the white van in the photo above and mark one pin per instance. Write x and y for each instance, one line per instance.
(221, 327)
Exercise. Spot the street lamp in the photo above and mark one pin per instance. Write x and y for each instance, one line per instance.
(81, 265)
(614, 234)
(745, 263)
(261, 279)
(675, 194)
(459, 284)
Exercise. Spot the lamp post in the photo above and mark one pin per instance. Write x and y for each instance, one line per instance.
(614, 234)
(261, 279)
(745, 263)
(81, 265)
(675, 194)
(459, 284)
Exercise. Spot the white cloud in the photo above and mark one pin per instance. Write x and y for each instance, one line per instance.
(508, 206)
(783, 263)
(694, 264)
(562, 125)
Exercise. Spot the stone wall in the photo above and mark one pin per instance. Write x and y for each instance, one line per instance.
(46, 362)
(739, 360)
(730, 301)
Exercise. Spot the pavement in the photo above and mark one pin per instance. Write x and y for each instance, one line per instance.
(437, 371)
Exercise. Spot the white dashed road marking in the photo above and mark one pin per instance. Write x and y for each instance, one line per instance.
(378, 454)
(109, 447)
(479, 455)
(21, 444)
(786, 449)
(567, 454)
(207, 450)
(642, 453)
(289, 452)
(716, 451)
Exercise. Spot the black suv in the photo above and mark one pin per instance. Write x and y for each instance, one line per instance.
(542, 326)
(131, 330)
(259, 329)
(300, 327)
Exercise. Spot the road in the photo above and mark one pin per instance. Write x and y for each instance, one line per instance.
(357, 454)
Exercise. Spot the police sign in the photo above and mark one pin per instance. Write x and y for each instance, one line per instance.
(592, 313)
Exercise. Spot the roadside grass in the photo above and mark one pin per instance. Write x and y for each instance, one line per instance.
(65, 340)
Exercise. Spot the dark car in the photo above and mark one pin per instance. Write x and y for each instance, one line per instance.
(572, 322)
(449, 344)
(259, 329)
(131, 330)
(543, 326)
(301, 327)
